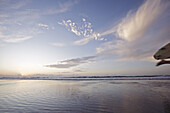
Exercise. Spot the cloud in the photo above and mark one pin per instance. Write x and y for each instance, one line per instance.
(16, 39)
(140, 33)
(83, 41)
(61, 65)
(58, 44)
(18, 25)
(135, 25)
(10, 35)
(72, 62)
(17, 4)
(63, 7)
(83, 30)
(78, 70)
(15, 34)
(44, 26)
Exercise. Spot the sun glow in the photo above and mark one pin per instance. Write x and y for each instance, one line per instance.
(27, 63)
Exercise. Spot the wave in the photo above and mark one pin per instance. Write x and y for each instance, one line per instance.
(127, 77)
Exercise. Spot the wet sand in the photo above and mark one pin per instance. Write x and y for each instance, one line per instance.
(89, 96)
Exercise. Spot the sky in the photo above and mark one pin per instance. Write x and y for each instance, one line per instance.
(82, 37)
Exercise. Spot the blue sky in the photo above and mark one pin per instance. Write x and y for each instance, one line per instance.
(82, 37)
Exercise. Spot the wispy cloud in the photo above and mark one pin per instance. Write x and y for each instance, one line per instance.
(136, 25)
(45, 26)
(63, 7)
(93, 36)
(72, 62)
(58, 44)
(18, 25)
(140, 33)
(17, 38)
(83, 30)
(11, 35)
(17, 4)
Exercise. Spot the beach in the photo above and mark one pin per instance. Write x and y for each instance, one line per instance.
(89, 96)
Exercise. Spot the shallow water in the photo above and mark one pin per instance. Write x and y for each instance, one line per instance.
(94, 96)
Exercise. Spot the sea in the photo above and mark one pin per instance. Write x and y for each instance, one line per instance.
(87, 94)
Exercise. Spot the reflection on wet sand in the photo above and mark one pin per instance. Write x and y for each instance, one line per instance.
(162, 89)
(111, 96)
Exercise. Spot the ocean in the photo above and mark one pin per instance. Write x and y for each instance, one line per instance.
(85, 96)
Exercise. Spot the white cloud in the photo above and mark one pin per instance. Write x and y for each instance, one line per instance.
(83, 30)
(135, 25)
(140, 33)
(43, 26)
(84, 19)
